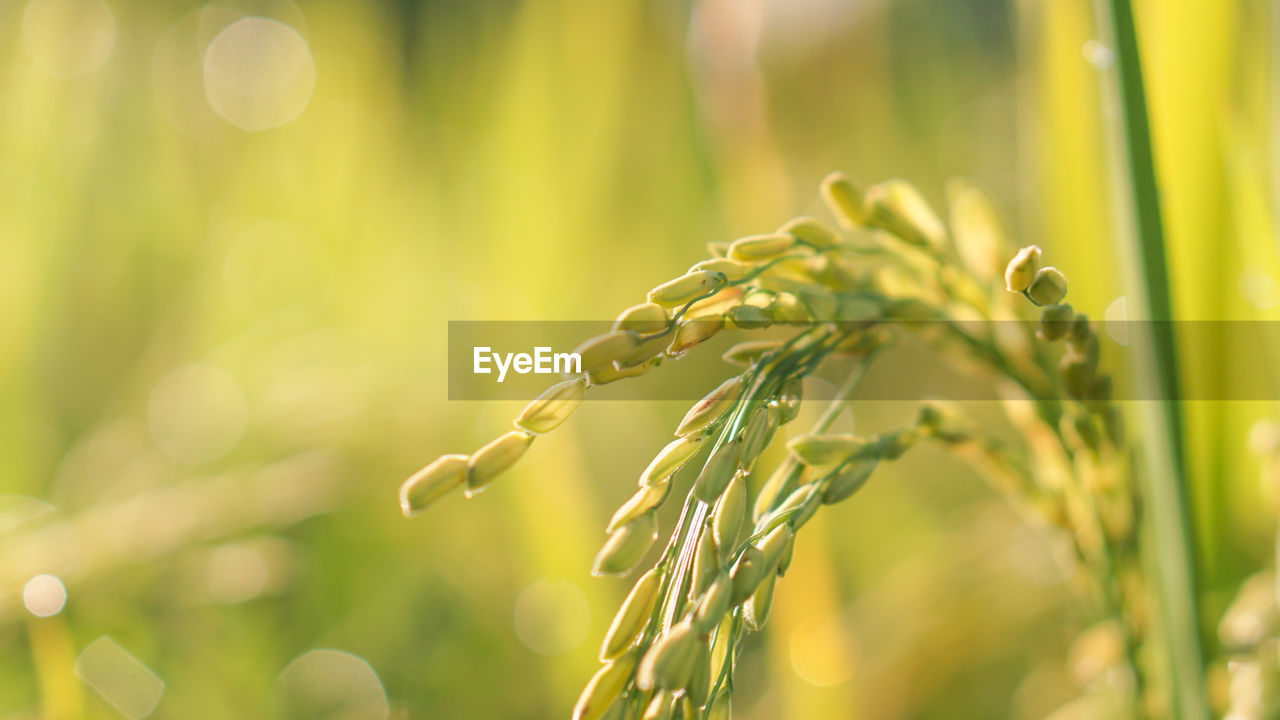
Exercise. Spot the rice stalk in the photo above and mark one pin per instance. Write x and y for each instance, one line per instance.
(1156, 363)
(843, 297)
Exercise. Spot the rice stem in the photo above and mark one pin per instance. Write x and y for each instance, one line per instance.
(1165, 479)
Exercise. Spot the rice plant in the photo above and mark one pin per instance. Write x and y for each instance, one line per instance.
(836, 300)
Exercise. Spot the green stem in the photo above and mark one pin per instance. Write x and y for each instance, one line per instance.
(1155, 351)
(683, 542)
(824, 422)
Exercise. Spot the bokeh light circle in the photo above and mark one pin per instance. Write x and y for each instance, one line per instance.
(44, 595)
(330, 684)
(258, 73)
(1116, 320)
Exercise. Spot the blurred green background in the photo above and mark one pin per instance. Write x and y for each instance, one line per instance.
(231, 237)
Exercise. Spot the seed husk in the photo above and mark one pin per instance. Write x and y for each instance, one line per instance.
(1080, 332)
(618, 710)
(844, 199)
(604, 687)
(804, 501)
(626, 546)
(713, 603)
(911, 310)
(753, 437)
(859, 308)
(661, 707)
(847, 481)
(1055, 321)
(787, 308)
(785, 282)
(669, 661)
(643, 318)
(898, 207)
(733, 270)
(706, 563)
(749, 317)
(789, 401)
(834, 272)
(721, 707)
(820, 302)
(775, 544)
(700, 678)
(784, 562)
(772, 489)
(603, 349)
(612, 373)
(717, 304)
(553, 406)
(632, 616)
(489, 461)
(1021, 270)
(944, 421)
(671, 458)
(891, 446)
(645, 500)
(1100, 392)
(1048, 287)
(432, 482)
(758, 248)
(694, 331)
(722, 646)
(647, 350)
(826, 450)
(1087, 351)
(718, 471)
(685, 288)
(775, 420)
(730, 511)
(717, 248)
(811, 231)
(758, 297)
(746, 574)
(1077, 376)
(710, 408)
(756, 610)
(747, 353)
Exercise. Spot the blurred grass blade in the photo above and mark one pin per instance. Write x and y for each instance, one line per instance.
(1164, 479)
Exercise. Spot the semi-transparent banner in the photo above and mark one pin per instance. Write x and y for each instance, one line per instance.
(518, 360)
